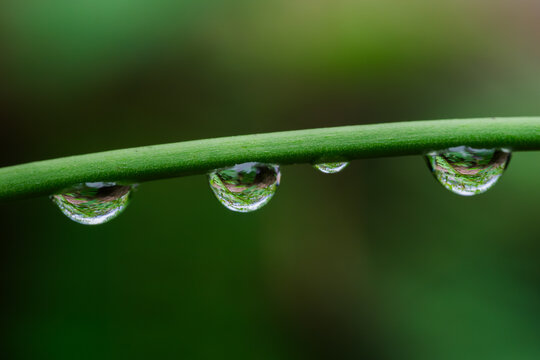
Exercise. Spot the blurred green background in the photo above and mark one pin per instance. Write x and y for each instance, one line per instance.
(377, 262)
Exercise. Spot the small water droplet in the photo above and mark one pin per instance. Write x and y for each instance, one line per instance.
(245, 187)
(331, 168)
(93, 203)
(467, 171)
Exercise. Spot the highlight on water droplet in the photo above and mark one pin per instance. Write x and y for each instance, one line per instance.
(468, 171)
(93, 203)
(245, 187)
(331, 167)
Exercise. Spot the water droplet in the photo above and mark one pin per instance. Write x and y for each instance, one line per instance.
(467, 171)
(93, 203)
(245, 187)
(331, 168)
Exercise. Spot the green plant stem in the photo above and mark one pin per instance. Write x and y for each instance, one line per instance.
(288, 147)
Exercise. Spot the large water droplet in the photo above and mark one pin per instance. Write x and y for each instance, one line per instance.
(93, 203)
(331, 168)
(245, 187)
(467, 171)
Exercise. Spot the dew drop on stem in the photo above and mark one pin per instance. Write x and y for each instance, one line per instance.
(468, 171)
(93, 203)
(331, 167)
(245, 187)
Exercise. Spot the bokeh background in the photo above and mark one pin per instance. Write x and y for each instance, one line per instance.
(378, 262)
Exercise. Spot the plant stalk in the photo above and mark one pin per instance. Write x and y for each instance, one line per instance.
(343, 143)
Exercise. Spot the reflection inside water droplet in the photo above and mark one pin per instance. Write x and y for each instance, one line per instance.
(331, 168)
(245, 187)
(467, 171)
(93, 203)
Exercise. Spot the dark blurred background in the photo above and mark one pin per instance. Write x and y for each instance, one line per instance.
(378, 262)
